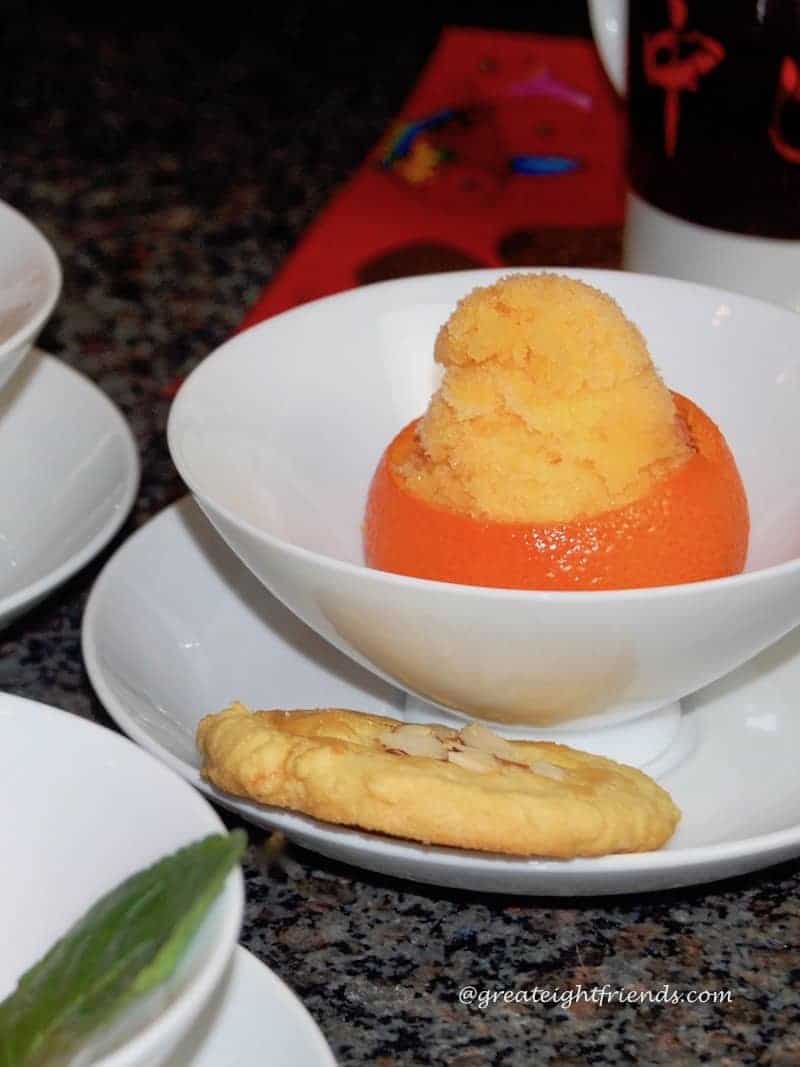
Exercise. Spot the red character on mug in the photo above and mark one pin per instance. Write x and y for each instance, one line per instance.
(784, 135)
(676, 59)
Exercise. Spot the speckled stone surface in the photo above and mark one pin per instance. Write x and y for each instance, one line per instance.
(173, 170)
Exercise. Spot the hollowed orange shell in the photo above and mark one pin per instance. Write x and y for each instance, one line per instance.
(693, 524)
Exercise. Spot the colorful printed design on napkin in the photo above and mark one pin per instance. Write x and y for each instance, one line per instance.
(507, 152)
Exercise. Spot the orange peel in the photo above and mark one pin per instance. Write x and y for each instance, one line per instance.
(692, 525)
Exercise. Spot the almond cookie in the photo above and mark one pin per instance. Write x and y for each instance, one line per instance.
(467, 789)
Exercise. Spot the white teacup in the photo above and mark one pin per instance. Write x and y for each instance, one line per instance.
(714, 167)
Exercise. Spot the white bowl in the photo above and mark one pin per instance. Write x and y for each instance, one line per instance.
(278, 434)
(108, 810)
(30, 281)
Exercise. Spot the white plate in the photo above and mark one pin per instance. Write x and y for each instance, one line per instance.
(69, 476)
(176, 627)
(253, 1011)
(84, 809)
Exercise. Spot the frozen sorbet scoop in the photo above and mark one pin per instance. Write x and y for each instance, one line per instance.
(550, 407)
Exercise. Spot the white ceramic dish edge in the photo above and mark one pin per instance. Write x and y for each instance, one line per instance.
(13, 605)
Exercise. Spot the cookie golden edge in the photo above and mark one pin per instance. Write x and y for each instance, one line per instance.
(331, 764)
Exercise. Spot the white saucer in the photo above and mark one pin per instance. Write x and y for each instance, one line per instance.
(176, 627)
(254, 1019)
(68, 477)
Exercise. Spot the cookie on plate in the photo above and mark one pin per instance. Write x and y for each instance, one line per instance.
(467, 789)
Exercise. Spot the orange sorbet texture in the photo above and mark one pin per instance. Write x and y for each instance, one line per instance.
(550, 406)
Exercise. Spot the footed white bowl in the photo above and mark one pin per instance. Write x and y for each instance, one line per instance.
(278, 434)
(30, 282)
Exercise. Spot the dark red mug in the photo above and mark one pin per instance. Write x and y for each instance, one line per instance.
(713, 93)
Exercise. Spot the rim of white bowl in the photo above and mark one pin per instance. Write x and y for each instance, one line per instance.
(30, 328)
(178, 1014)
(38, 590)
(459, 589)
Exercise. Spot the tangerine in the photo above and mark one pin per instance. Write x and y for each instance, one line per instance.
(692, 525)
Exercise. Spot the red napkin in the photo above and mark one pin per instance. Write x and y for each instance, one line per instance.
(507, 152)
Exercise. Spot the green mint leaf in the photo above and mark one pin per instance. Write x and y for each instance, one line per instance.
(126, 944)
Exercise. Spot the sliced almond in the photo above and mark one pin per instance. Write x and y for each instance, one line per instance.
(473, 759)
(475, 748)
(476, 735)
(517, 761)
(548, 770)
(444, 733)
(413, 740)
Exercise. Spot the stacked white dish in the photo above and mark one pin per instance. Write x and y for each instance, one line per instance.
(70, 467)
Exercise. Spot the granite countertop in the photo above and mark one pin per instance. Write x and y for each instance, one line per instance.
(173, 170)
